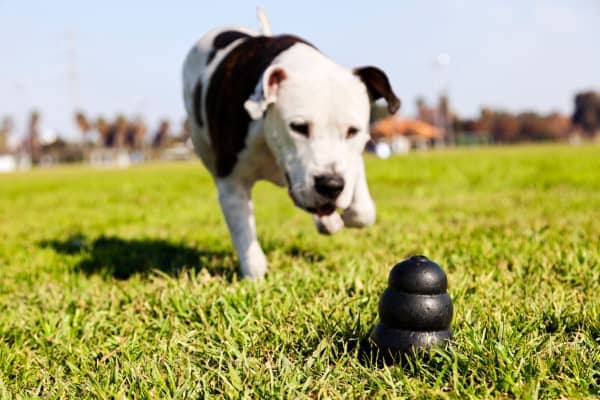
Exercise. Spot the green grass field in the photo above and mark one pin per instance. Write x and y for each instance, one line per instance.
(122, 283)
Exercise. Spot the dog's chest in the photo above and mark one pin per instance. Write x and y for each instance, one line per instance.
(256, 162)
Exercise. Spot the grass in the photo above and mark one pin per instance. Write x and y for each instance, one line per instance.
(122, 283)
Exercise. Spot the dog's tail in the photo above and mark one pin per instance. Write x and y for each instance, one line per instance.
(263, 21)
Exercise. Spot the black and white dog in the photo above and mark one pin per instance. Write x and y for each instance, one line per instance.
(275, 108)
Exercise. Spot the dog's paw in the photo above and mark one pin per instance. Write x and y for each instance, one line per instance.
(359, 218)
(328, 224)
(254, 264)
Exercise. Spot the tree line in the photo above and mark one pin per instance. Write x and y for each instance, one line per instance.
(501, 126)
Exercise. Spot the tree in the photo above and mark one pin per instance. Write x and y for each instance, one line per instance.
(161, 136)
(6, 128)
(83, 124)
(505, 128)
(32, 141)
(587, 112)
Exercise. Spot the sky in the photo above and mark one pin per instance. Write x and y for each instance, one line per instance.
(107, 57)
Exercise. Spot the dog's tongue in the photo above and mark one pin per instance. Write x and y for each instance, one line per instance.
(327, 209)
(321, 211)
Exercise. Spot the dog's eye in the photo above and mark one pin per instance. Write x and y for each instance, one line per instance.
(351, 132)
(301, 128)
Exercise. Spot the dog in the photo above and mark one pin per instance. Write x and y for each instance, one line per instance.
(272, 107)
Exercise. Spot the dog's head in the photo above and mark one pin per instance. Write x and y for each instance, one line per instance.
(316, 116)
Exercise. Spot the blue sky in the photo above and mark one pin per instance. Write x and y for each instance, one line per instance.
(504, 53)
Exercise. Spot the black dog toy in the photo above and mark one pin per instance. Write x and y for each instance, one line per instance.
(415, 310)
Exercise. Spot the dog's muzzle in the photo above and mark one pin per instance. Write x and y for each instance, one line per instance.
(327, 186)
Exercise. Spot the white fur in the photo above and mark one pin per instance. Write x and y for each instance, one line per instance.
(234, 197)
(315, 90)
(265, 25)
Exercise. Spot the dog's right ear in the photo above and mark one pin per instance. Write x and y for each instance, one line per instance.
(265, 93)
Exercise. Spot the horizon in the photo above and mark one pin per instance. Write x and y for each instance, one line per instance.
(114, 58)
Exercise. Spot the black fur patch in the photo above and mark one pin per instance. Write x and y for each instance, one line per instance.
(378, 86)
(223, 40)
(231, 85)
(198, 104)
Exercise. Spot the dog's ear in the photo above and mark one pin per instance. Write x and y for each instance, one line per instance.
(378, 86)
(265, 93)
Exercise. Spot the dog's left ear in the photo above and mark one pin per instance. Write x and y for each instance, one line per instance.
(265, 93)
(378, 86)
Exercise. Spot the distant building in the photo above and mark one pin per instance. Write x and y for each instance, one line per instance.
(403, 134)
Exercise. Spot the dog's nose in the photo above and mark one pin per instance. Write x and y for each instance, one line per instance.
(330, 185)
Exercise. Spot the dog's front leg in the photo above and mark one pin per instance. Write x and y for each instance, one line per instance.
(361, 211)
(237, 207)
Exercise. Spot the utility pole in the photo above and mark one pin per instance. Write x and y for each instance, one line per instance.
(441, 63)
(72, 58)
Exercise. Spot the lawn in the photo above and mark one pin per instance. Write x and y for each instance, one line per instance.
(122, 283)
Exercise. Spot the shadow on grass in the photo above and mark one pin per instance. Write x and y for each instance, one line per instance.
(357, 342)
(363, 348)
(369, 355)
(121, 258)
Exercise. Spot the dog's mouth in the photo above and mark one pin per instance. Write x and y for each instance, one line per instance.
(321, 210)
(324, 210)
